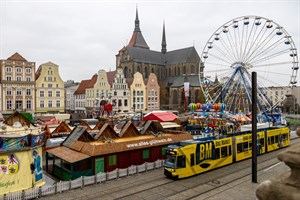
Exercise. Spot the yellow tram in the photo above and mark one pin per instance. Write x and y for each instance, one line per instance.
(191, 157)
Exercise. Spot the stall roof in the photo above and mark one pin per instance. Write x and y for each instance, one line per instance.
(67, 154)
(163, 116)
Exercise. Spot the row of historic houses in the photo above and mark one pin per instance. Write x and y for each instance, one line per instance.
(112, 88)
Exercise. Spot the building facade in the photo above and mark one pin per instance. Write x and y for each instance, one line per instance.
(153, 93)
(120, 92)
(17, 76)
(170, 67)
(138, 93)
(70, 88)
(50, 92)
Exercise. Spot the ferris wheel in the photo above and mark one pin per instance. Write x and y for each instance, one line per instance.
(244, 45)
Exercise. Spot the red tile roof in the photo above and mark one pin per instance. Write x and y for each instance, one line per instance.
(92, 81)
(110, 77)
(17, 57)
(82, 86)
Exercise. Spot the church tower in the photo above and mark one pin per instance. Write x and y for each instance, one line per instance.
(164, 42)
(137, 39)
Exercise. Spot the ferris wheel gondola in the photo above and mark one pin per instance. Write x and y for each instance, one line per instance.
(244, 45)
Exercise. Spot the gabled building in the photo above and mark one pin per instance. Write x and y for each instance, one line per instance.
(79, 95)
(120, 92)
(153, 93)
(17, 77)
(50, 92)
(70, 88)
(138, 93)
(170, 67)
(90, 95)
(102, 90)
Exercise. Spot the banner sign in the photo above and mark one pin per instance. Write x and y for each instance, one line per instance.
(21, 170)
(186, 86)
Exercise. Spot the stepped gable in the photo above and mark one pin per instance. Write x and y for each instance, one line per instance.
(77, 138)
(17, 57)
(106, 132)
(129, 130)
(151, 127)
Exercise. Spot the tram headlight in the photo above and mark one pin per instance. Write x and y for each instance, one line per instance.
(173, 170)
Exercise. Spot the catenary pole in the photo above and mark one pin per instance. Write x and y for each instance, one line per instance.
(254, 127)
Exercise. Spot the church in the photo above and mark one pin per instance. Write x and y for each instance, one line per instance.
(172, 68)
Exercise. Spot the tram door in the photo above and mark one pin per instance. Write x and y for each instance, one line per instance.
(99, 163)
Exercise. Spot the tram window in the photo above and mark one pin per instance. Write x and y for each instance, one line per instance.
(239, 148)
(245, 146)
(276, 138)
(250, 145)
(262, 142)
(272, 140)
(224, 152)
(269, 140)
(192, 159)
(181, 162)
(217, 153)
(285, 136)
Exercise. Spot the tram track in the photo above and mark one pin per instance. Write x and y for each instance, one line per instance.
(154, 185)
(214, 181)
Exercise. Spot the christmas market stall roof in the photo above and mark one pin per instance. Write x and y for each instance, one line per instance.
(81, 145)
(162, 116)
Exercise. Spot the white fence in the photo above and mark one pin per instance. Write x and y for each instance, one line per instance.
(61, 186)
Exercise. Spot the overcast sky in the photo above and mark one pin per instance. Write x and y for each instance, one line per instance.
(84, 36)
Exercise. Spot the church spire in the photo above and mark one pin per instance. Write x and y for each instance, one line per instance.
(137, 39)
(164, 42)
(137, 21)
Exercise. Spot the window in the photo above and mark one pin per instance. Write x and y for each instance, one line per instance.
(58, 103)
(28, 70)
(276, 138)
(49, 78)
(42, 104)
(125, 102)
(49, 85)
(50, 104)
(9, 91)
(57, 93)
(112, 160)
(180, 162)
(28, 91)
(19, 91)
(42, 94)
(8, 104)
(19, 78)
(8, 69)
(146, 153)
(49, 93)
(28, 78)
(245, 146)
(192, 159)
(272, 140)
(224, 152)
(8, 78)
(19, 70)
(28, 104)
(18, 104)
(217, 153)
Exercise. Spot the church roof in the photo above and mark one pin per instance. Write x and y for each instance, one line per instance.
(185, 55)
(146, 55)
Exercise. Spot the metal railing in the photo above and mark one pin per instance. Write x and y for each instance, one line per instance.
(81, 182)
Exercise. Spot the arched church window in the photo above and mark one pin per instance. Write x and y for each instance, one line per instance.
(126, 72)
(184, 69)
(178, 71)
